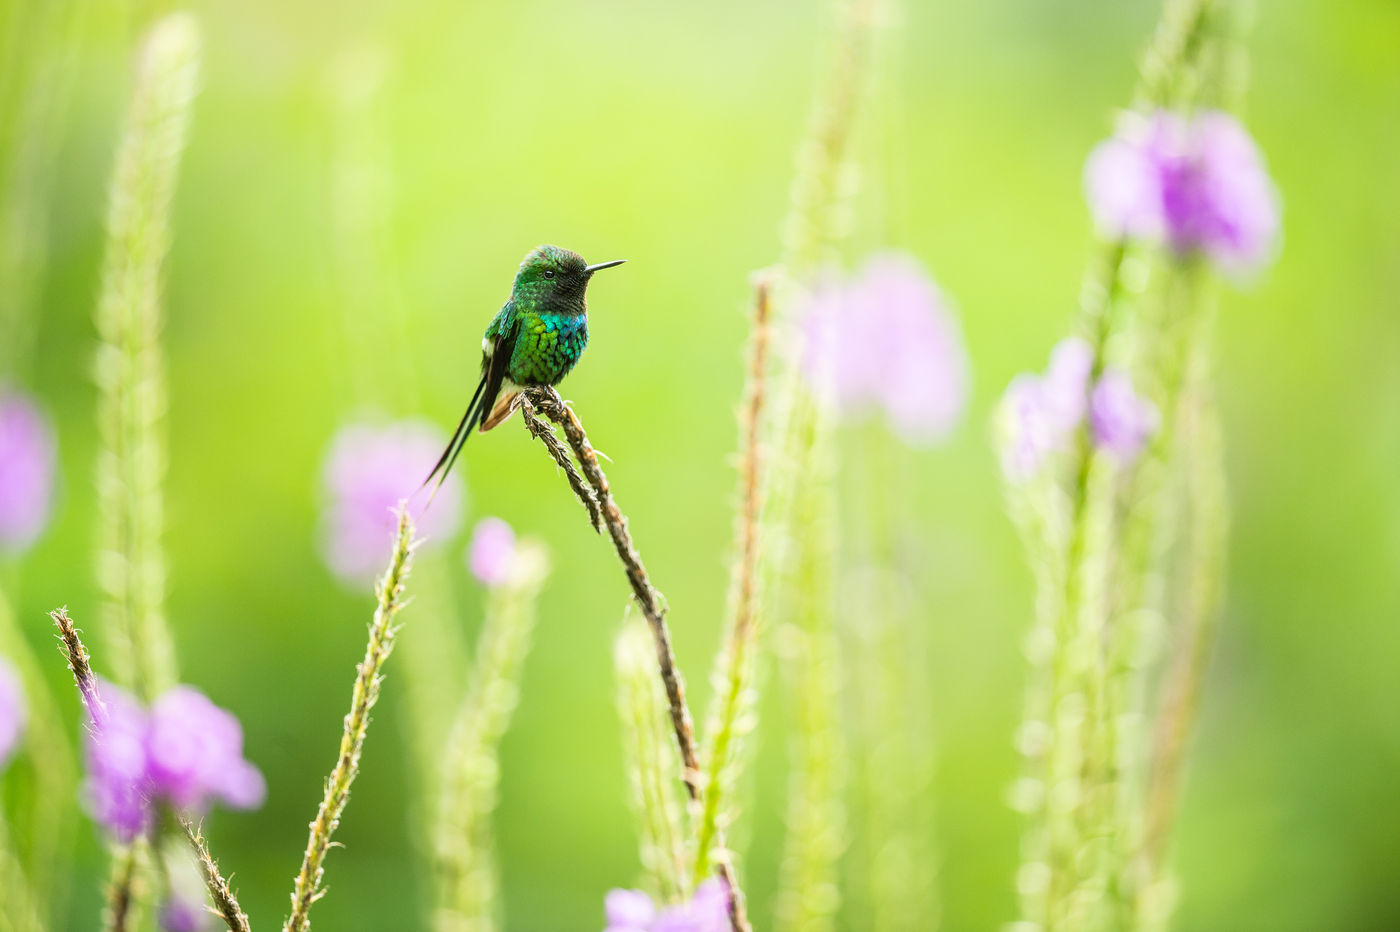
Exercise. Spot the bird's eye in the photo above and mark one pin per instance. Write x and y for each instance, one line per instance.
(548, 273)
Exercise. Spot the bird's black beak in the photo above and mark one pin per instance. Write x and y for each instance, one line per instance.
(604, 265)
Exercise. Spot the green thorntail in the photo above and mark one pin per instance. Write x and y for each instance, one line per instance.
(535, 339)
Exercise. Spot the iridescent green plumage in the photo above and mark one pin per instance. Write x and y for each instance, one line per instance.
(535, 339)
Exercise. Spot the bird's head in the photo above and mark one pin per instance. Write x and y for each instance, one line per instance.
(553, 277)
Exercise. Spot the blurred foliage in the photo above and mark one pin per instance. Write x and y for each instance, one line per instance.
(664, 134)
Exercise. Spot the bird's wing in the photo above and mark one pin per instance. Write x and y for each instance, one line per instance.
(500, 337)
(496, 370)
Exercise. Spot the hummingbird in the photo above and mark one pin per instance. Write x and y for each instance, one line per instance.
(535, 339)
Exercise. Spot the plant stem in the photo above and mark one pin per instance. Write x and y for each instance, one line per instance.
(130, 865)
(815, 227)
(122, 907)
(130, 375)
(809, 892)
(1076, 622)
(1170, 69)
(733, 670)
(466, 868)
(820, 188)
(80, 664)
(1207, 520)
(652, 767)
(365, 693)
(1075, 842)
(560, 454)
(224, 900)
(548, 402)
(129, 370)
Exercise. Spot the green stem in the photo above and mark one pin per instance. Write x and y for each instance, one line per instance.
(809, 892)
(649, 600)
(130, 371)
(887, 726)
(1207, 520)
(1074, 842)
(821, 186)
(1176, 62)
(735, 697)
(219, 891)
(1075, 681)
(466, 864)
(797, 560)
(434, 659)
(365, 693)
(129, 887)
(653, 770)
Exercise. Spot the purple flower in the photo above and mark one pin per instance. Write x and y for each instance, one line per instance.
(1040, 414)
(117, 787)
(492, 551)
(886, 339)
(1124, 188)
(182, 915)
(633, 911)
(629, 910)
(1122, 420)
(841, 369)
(1198, 184)
(368, 470)
(1028, 434)
(185, 751)
(1066, 383)
(12, 711)
(26, 470)
(1235, 214)
(195, 752)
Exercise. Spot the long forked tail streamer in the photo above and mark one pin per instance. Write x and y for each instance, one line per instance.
(459, 437)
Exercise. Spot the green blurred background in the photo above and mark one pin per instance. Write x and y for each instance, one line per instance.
(664, 133)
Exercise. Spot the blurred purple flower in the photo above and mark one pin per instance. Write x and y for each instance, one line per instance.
(886, 339)
(117, 786)
(1065, 387)
(829, 362)
(26, 470)
(185, 750)
(629, 911)
(1124, 187)
(12, 711)
(182, 915)
(1122, 420)
(633, 911)
(1230, 206)
(1199, 184)
(195, 751)
(1028, 433)
(492, 551)
(368, 470)
(1039, 414)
